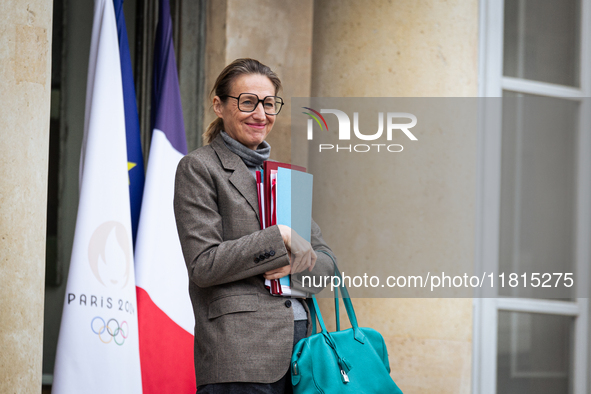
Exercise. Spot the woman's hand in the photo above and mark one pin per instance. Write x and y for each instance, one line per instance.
(301, 254)
(278, 273)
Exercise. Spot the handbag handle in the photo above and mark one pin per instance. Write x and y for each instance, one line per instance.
(337, 313)
(344, 365)
(348, 306)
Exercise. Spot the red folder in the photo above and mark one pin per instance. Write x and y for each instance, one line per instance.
(260, 199)
(268, 168)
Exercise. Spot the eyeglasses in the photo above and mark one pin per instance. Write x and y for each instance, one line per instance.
(248, 102)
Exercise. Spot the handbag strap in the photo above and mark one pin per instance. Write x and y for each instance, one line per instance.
(318, 314)
(346, 300)
(336, 308)
(344, 365)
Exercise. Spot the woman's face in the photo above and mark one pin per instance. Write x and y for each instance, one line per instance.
(248, 128)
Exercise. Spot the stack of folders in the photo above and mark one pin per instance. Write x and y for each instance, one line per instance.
(285, 197)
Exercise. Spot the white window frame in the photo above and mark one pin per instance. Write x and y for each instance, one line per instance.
(491, 84)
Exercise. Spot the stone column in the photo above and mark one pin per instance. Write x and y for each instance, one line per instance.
(407, 48)
(25, 85)
(278, 34)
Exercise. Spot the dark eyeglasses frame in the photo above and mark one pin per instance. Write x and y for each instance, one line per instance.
(257, 104)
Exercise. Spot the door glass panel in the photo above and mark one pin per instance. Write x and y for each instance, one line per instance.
(541, 40)
(538, 192)
(534, 353)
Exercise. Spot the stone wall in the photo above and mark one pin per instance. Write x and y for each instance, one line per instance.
(407, 48)
(25, 86)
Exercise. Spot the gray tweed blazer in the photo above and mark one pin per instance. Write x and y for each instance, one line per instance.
(242, 333)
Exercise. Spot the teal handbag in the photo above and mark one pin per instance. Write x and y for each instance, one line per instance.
(349, 361)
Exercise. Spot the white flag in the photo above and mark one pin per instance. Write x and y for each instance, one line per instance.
(98, 347)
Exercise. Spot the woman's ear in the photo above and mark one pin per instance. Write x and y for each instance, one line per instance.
(217, 106)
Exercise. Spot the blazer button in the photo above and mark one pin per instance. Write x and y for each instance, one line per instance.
(267, 254)
(256, 260)
(272, 252)
(261, 257)
(288, 303)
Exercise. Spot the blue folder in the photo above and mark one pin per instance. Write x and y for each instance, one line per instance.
(294, 203)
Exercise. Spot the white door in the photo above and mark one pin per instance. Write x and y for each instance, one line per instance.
(534, 212)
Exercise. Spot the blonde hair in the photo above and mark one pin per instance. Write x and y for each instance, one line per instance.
(223, 87)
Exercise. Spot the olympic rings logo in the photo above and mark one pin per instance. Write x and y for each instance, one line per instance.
(112, 331)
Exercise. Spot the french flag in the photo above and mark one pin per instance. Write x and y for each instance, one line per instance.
(165, 313)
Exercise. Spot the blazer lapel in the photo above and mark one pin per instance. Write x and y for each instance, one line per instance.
(241, 178)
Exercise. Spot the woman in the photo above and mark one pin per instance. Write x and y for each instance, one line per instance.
(244, 336)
